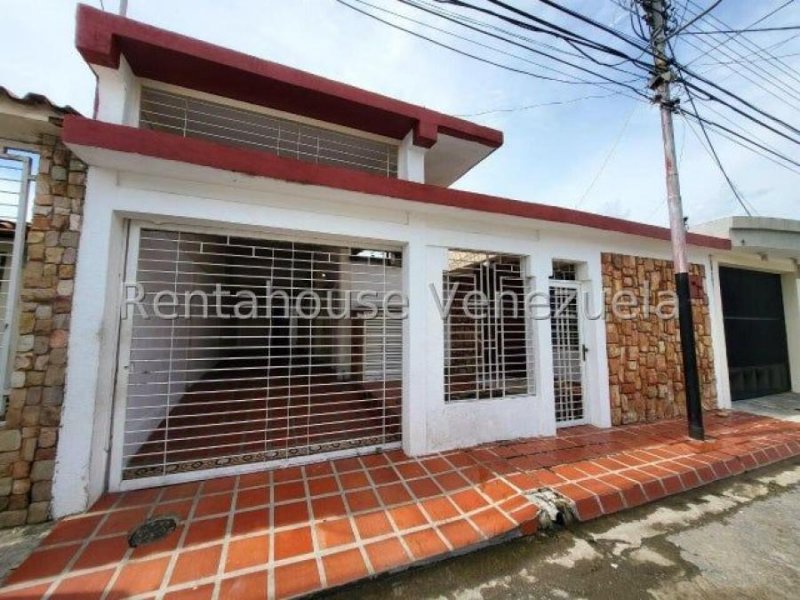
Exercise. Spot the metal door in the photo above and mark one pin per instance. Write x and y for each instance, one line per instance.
(568, 353)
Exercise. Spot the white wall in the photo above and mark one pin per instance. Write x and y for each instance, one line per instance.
(205, 198)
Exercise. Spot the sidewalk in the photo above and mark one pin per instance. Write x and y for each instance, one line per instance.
(293, 531)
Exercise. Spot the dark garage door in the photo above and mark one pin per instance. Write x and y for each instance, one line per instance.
(755, 333)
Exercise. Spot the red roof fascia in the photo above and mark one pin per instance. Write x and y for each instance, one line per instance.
(91, 133)
(162, 55)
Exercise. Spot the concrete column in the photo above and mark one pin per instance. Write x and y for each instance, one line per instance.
(592, 306)
(718, 335)
(118, 93)
(791, 309)
(411, 160)
(539, 270)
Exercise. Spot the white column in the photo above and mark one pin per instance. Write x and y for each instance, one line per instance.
(411, 160)
(592, 306)
(415, 342)
(791, 309)
(539, 269)
(83, 442)
(718, 334)
(118, 93)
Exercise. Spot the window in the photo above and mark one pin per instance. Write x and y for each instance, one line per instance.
(564, 271)
(216, 122)
(487, 349)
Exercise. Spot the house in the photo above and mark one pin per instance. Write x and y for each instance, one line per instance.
(265, 260)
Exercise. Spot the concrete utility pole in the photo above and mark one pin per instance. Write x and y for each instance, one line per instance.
(123, 8)
(655, 15)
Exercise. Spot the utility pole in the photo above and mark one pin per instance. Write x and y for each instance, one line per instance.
(123, 8)
(655, 15)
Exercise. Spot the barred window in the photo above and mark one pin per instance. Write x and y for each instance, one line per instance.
(486, 332)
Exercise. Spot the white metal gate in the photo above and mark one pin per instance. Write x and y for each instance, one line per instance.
(568, 353)
(15, 178)
(252, 350)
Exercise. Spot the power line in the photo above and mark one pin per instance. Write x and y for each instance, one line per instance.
(695, 19)
(740, 31)
(540, 105)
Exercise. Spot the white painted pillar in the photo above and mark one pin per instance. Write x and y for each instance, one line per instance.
(791, 309)
(592, 306)
(718, 334)
(83, 444)
(415, 345)
(539, 268)
(411, 160)
(118, 94)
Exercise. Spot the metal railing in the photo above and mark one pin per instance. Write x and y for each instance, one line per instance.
(193, 117)
(15, 180)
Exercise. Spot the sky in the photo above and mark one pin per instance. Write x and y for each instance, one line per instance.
(602, 155)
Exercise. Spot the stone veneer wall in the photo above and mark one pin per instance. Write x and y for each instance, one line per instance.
(644, 356)
(29, 436)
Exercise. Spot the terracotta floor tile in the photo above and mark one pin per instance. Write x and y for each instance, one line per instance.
(407, 517)
(124, 521)
(383, 475)
(498, 490)
(213, 505)
(323, 485)
(85, 587)
(207, 530)
(374, 460)
(354, 480)
(252, 497)
(440, 509)
(411, 470)
(424, 488)
(492, 522)
(343, 465)
(178, 508)
(373, 524)
(72, 530)
(105, 502)
(387, 554)
(297, 578)
(334, 532)
(139, 578)
(328, 506)
(424, 544)
(103, 552)
(252, 586)
(247, 552)
(344, 567)
(47, 562)
(196, 564)
(203, 592)
(460, 534)
(250, 521)
(452, 481)
(436, 465)
(394, 493)
(218, 485)
(318, 469)
(180, 492)
(469, 500)
(138, 498)
(292, 513)
(291, 490)
(261, 479)
(362, 500)
(293, 542)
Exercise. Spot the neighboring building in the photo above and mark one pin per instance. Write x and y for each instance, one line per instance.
(207, 167)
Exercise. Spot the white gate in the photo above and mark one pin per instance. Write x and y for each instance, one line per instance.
(15, 178)
(568, 353)
(269, 349)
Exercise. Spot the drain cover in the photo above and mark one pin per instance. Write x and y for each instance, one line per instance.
(152, 530)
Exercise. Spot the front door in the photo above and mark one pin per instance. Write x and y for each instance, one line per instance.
(568, 353)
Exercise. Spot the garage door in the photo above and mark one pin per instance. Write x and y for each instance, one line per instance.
(755, 333)
(270, 349)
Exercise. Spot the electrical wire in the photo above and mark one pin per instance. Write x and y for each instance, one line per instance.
(540, 105)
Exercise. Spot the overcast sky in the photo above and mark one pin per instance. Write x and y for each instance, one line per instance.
(602, 154)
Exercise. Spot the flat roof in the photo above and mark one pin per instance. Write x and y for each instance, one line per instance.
(153, 53)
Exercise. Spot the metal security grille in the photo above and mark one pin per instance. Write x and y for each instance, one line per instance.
(279, 349)
(15, 183)
(192, 117)
(487, 346)
(567, 353)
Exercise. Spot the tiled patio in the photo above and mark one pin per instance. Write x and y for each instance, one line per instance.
(297, 530)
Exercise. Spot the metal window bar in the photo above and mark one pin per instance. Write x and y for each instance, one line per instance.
(15, 180)
(567, 351)
(488, 357)
(206, 392)
(193, 117)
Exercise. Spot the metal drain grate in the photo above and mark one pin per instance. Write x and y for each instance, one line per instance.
(152, 530)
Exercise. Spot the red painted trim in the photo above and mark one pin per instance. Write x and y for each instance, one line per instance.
(154, 53)
(79, 131)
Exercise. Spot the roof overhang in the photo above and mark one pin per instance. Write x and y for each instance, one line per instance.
(25, 118)
(763, 236)
(152, 53)
(94, 141)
